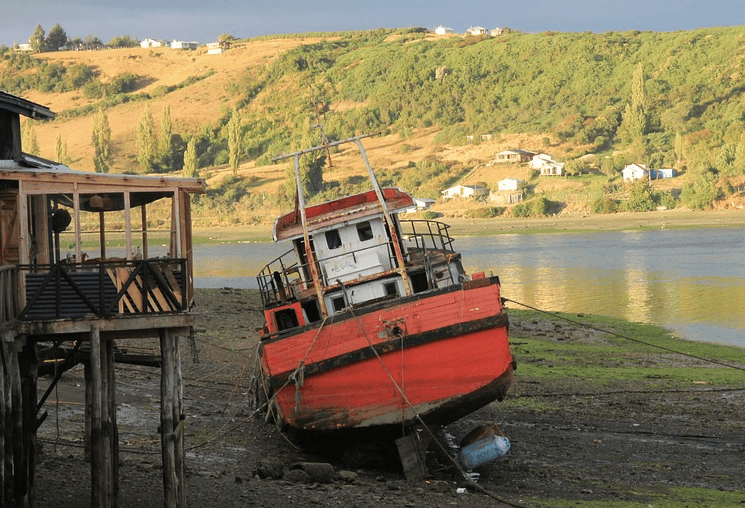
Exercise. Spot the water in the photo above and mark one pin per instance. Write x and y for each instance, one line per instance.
(690, 281)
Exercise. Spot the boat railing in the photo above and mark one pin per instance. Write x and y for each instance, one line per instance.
(9, 299)
(281, 279)
(102, 288)
(427, 235)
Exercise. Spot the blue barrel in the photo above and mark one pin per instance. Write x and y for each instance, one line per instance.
(483, 451)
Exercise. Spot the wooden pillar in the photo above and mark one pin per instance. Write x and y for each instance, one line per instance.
(88, 409)
(113, 429)
(104, 434)
(98, 489)
(27, 367)
(16, 398)
(6, 455)
(171, 426)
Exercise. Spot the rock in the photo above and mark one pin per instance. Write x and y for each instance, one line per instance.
(318, 472)
(296, 476)
(270, 467)
(347, 476)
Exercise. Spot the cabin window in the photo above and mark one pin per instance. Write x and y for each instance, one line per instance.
(333, 240)
(286, 319)
(364, 231)
(390, 289)
(338, 303)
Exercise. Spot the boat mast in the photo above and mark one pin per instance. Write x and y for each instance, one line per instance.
(306, 239)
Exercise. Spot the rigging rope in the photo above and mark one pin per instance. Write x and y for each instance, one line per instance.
(620, 335)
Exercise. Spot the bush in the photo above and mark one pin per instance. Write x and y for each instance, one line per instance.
(604, 205)
(485, 213)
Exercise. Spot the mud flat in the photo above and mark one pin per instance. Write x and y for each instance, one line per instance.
(594, 420)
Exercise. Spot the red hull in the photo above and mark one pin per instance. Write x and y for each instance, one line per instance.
(446, 350)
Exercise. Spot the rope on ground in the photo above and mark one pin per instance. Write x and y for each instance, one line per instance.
(620, 335)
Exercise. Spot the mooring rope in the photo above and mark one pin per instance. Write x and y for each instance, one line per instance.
(622, 336)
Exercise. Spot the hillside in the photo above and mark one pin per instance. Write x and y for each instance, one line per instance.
(563, 94)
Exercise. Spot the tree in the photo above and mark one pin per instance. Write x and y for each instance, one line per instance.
(235, 141)
(56, 39)
(37, 40)
(700, 193)
(191, 161)
(634, 124)
(123, 41)
(28, 138)
(92, 42)
(60, 151)
(146, 141)
(101, 139)
(166, 136)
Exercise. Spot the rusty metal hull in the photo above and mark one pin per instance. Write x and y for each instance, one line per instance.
(438, 356)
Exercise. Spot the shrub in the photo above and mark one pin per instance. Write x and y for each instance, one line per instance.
(604, 204)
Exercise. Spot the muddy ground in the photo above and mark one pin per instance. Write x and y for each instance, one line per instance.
(573, 444)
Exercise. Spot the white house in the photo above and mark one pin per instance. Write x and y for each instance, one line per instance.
(634, 172)
(24, 46)
(508, 184)
(496, 32)
(153, 43)
(476, 30)
(184, 45)
(423, 203)
(464, 191)
(552, 169)
(443, 30)
(540, 160)
(215, 48)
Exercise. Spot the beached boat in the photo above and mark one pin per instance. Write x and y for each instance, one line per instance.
(372, 324)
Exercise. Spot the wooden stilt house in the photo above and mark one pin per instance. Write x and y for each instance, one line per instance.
(86, 259)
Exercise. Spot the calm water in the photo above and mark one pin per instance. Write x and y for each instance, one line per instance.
(690, 281)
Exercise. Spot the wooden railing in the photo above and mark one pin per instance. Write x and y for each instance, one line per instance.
(104, 288)
(9, 298)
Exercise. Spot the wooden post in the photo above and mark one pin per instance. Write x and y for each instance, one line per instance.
(88, 409)
(179, 420)
(167, 390)
(17, 423)
(27, 362)
(98, 476)
(4, 436)
(113, 429)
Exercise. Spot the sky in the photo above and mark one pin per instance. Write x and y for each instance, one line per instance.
(204, 20)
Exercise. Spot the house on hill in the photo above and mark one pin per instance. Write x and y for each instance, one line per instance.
(546, 165)
(154, 43)
(215, 48)
(464, 191)
(184, 45)
(634, 172)
(514, 156)
(442, 30)
(508, 184)
(476, 30)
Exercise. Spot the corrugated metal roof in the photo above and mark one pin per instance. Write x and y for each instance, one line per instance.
(24, 107)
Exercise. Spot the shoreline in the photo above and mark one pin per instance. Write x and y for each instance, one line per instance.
(622, 221)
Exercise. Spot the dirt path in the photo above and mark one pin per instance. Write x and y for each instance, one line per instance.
(574, 441)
